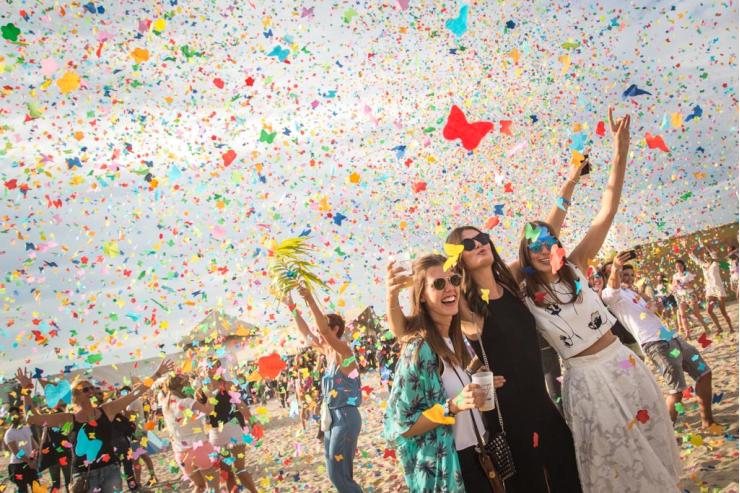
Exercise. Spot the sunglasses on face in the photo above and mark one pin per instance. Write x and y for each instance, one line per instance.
(439, 284)
(85, 390)
(547, 241)
(469, 243)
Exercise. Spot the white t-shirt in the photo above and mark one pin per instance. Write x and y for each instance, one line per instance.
(463, 428)
(23, 438)
(633, 312)
(571, 328)
(184, 424)
(683, 280)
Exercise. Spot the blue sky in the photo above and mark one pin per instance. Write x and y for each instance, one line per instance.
(357, 107)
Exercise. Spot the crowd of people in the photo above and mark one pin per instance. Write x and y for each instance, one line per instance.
(602, 425)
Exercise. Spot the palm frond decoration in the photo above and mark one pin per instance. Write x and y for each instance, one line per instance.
(290, 263)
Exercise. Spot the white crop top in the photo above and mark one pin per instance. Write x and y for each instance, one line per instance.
(571, 328)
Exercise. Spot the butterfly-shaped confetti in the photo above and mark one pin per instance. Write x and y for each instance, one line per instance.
(453, 253)
(470, 134)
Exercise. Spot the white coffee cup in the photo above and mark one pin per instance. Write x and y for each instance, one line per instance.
(485, 380)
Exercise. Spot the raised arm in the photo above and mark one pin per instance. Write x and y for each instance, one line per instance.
(119, 405)
(559, 210)
(338, 345)
(395, 282)
(300, 322)
(591, 243)
(33, 417)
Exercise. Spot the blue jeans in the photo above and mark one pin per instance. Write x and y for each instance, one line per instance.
(106, 479)
(340, 443)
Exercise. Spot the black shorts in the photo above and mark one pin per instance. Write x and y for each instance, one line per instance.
(669, 302)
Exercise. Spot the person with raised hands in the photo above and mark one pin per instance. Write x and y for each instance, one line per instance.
(668, 351)
(341, 389)
(97, 460)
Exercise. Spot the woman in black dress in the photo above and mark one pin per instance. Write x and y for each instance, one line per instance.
(540, 440)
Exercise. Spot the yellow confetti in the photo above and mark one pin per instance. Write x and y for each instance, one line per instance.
(140, 55)
(514, 54)
(484, 294)
(159, 25)
(565, 60)
(676, 120)
(436, 414)
(111, 249)
(453, 255)
(69, 82)
(577, 158)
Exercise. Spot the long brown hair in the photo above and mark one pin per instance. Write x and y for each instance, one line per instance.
(422, 326)
(535, 281)
(501, 273)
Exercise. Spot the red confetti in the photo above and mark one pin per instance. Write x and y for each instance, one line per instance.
(703, 340)
(471, 134)
(600, 129)
(492, 222)
(539, 296)
(228, 157)
(642, 416)
(11, 184)
(389, 453)
(505, 127)
(218, 83)
(655, 142)
(509, 188)
(249, 81)
(535, 439)
(420, 186)
(557, 258)
(270, 366)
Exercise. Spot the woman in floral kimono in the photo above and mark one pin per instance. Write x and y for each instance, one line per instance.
(432, 416)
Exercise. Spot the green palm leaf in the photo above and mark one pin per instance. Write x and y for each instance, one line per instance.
(290, 265)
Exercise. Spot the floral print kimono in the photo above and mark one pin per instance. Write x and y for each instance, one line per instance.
(429, 460)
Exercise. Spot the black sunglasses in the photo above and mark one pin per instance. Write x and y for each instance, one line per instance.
(85, 389)
(439, 284)
(469, 243)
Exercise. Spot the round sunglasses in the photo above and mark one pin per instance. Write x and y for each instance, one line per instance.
(440, 283)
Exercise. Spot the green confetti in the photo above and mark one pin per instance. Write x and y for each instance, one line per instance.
(10, 32)
(348, 361)
(675, 353)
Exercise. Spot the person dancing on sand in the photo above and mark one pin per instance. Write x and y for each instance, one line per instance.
(714, 288)
(340, 417)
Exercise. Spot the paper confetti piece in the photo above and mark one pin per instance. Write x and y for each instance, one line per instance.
(436, 414)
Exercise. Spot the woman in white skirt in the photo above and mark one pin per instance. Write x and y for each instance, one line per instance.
(714, 289)
(622, 433)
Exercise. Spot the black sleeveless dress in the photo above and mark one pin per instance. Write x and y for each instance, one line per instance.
(101, 429)
(541, 442)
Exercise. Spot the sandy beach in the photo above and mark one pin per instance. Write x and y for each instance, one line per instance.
(289, 460)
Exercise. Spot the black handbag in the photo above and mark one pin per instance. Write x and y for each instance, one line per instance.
(485, 458)
(497, 446)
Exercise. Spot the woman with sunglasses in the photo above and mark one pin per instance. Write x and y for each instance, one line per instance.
(622, 433)
(92, 425)
(492, 312)
(433, 405)
(341, 390)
